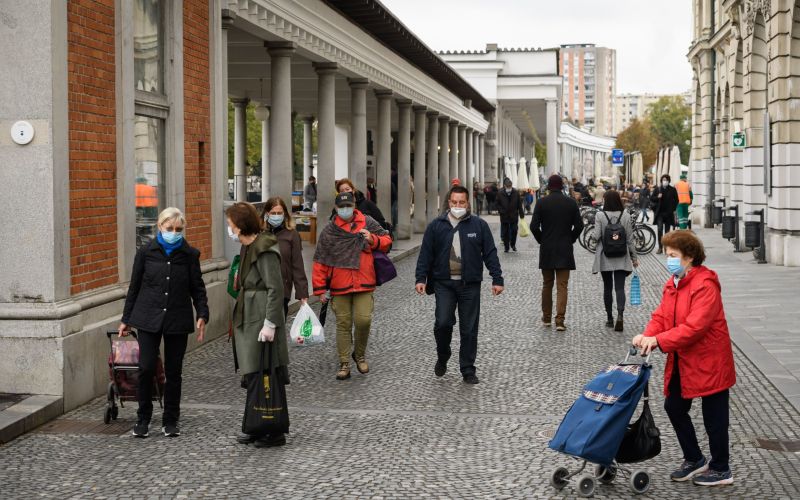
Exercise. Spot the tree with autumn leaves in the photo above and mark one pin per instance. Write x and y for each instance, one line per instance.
(666, 123)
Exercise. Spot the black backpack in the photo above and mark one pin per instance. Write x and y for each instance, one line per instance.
(615, 241)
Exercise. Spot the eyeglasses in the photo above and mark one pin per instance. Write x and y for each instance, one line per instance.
(170, 228)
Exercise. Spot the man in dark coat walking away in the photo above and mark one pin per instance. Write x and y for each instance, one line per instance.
(455, 248)
(509, 206)
(664, 202)
(556, 225)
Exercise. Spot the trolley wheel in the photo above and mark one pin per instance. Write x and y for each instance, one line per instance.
(107, 416)
(114, 412)
(640, 482)
(586, 485)
(558, 479)
(605, 475)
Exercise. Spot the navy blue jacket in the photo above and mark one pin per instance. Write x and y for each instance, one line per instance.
(477, 249)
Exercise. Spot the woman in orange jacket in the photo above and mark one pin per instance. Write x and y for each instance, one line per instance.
(343, 266)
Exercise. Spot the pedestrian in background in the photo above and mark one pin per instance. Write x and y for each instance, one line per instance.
(280, 223)
(491, 197)
(614, 269)
(258, 316)
(478, 195)
(344, 267)
(510, 209)
(310, 193)
(166, 280)
(644, 201)
(556, 225)
(685, 199)
(665, 202)
(689, 325)
(455, 247)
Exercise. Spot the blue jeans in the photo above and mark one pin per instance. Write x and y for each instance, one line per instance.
(467, 297)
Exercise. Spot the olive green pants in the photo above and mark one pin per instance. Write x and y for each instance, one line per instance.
(352, 309)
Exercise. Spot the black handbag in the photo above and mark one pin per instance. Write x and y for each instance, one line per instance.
(266, 412)
(642, 440)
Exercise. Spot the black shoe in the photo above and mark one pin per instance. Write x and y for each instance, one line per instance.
(141, 429)
(514, 248)
(270, 441)
(471, 379)
(171, 430)
(618, 327)
(506, 250)
(440, 369)
(243, 438)
(610, 323)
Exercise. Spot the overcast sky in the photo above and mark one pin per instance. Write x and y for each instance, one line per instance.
(651, 37)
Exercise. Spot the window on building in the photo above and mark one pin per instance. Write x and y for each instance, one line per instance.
(148, 46)
(149, 172)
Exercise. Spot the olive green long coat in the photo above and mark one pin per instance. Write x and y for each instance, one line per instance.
(260, 297)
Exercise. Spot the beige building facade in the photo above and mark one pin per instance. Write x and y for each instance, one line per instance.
(746, 60)
(589, 86)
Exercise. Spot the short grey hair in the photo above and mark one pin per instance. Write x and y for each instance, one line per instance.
(171, 213)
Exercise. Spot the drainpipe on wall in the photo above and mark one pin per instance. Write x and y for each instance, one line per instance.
(712, 177)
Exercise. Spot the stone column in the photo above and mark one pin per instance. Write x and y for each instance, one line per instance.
(420, 196)
(308, 149)
(265, 155)
(357, 170)
(552, 137)
(280, 120)
(404, 169)
(432, 184)
(383, 153)
(326, 138)
(240, 149)
(469, 156)
(453, 140)
(482, 159)
(224, 19)
(462, 154)
(444, 160)
(489, 147)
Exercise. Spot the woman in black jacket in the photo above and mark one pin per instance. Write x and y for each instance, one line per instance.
(166, 280)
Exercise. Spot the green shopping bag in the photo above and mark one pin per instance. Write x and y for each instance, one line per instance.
(233, 275)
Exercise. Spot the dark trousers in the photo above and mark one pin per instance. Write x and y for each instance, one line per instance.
(715, 420)
(508, 233)
(174, 349)
(614, 281)
(467, 298)
(665, 223)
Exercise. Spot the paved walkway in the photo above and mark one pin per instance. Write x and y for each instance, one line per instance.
(400, 432)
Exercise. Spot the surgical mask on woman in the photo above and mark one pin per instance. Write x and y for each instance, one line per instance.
(674, 266)
(458, 212)
(232, 235)
(171, 237)
(664, 184)
(275, 220)
(345, 213)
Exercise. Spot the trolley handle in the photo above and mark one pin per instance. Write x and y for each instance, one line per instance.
(633, 351)
(111, 333)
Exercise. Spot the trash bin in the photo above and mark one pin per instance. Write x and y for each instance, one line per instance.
(752, 233)
(729, 227)
(716, 215)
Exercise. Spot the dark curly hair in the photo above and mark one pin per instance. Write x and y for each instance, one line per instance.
(687, 243)
(245, 217)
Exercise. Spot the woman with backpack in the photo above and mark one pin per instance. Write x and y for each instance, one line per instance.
(616, 256)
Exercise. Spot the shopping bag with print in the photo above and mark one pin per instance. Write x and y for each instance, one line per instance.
(306, 328)
(636, 290)
(265, 412)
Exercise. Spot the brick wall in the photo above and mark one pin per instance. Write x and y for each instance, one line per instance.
(92, 144)
(197, 126)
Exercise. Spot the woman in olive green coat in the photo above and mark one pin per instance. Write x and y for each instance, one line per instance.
(258, 316)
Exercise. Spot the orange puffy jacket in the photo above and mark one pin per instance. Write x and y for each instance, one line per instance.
(345, 281)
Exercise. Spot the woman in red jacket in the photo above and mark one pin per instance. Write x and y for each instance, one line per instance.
(344, 267)
(689, 325)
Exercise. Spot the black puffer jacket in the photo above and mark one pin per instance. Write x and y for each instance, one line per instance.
(163, 288)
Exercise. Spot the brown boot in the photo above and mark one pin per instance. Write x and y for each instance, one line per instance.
(361, 363)
(560, 326)
(344, 371)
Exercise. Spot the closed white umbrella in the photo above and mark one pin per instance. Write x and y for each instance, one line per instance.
(534, 177)
(522, 175)
(598, 167)
(512, 171)
(675, 164)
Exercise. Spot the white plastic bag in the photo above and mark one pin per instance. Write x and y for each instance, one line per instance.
(306, 328)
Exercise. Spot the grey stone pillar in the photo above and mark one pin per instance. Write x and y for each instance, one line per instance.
(462, 154)
(469, 156)
(308, 147)
(224, 19)
(240, 149)
(383, 153)
(357, 169)
(552, 136)
(482, 158)
(280, 120)
(404, 169)
(265, 155)
(420, 196)
(444, 160)
(326, 138)
(453, 142)
(432, 184)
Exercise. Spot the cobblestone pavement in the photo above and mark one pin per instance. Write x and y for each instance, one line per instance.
(400, 432)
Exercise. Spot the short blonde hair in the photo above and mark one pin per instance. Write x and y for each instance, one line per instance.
(171, 213)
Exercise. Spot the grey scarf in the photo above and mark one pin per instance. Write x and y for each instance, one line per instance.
(339, 248)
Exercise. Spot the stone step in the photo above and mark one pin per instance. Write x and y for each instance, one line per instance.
(28, 414)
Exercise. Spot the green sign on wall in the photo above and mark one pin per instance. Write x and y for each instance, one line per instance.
(739, 140)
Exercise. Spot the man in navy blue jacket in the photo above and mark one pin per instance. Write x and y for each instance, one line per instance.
(455, 247)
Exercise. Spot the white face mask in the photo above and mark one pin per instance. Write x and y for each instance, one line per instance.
(664, 183)
(458, 212)
(232, 235)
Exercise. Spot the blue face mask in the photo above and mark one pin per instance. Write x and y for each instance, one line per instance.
(171, 237)
(275, 220)
(345, 213)
(674, 266)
